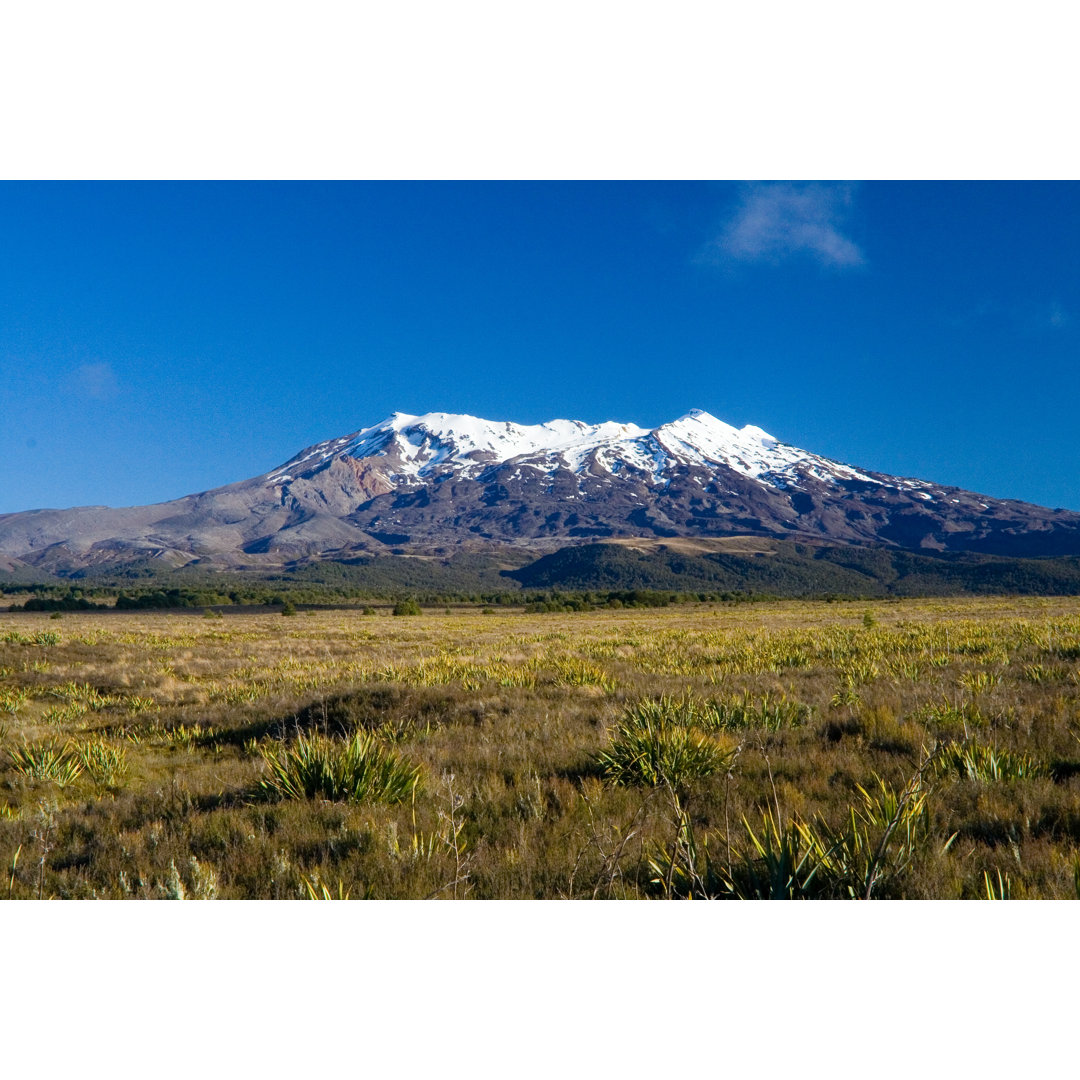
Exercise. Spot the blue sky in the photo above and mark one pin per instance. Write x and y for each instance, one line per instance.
(159, 339)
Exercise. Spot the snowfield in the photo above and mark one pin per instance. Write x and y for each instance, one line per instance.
(416, 448)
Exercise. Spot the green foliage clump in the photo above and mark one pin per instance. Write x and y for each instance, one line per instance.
(357, 770)
(407, 607)
(873, 850)
(46, 761)
(711, 716)
(768, 713)
(39, 637)
(974, 761)
(652, 746)
(107, 765)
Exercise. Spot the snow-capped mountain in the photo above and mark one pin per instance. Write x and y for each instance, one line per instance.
(416, 449)
(442, 482)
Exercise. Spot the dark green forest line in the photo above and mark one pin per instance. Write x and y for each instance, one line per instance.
(572, 578)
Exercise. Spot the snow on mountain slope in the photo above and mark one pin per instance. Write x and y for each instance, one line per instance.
(412, 449)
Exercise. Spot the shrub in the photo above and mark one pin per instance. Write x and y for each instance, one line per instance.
(358, 770)
(406, 607)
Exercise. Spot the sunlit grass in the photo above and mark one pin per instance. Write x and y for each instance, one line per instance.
(711, 750)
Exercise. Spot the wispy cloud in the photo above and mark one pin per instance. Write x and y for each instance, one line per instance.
(1057, 317)
(781, 221)
(95, 381)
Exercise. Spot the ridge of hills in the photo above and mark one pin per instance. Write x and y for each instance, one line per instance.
(721, 569)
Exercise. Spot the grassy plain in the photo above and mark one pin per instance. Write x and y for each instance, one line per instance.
(889, 749)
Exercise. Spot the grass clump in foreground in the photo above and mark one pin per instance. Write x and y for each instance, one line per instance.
(359, 769)
(874, 848)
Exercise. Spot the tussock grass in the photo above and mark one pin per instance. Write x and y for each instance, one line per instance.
(359, 769)
(987, 763)
(653, 744)
(106, 764)
(46, 761)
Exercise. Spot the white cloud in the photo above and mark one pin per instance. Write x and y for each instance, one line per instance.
(96, 381)
(776, 222)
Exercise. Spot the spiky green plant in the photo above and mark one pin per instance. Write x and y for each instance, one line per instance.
(579, 673)
(984, 762)
(648, 747)
(997, 890)
(188, 738)
(788, 861)
(317, 889)
(359, 769)
(769, 713)
(805, 860)
(11, 701)
(106, 764)
(978, 682)
(46, 761)
(39, 637)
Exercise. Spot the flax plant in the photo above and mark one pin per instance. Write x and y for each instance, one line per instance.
(359, 769)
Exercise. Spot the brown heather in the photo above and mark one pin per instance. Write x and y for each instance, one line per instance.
(896, 749)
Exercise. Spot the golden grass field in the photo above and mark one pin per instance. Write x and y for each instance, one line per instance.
(909, 749)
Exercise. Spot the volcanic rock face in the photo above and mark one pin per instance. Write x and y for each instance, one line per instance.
(441, 481)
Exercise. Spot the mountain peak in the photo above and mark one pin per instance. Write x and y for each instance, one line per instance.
(438, 480)
(414, 447)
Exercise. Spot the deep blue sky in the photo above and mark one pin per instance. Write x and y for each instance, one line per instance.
(160, 339)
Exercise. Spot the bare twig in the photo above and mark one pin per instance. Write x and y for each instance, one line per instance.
(911, 789)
